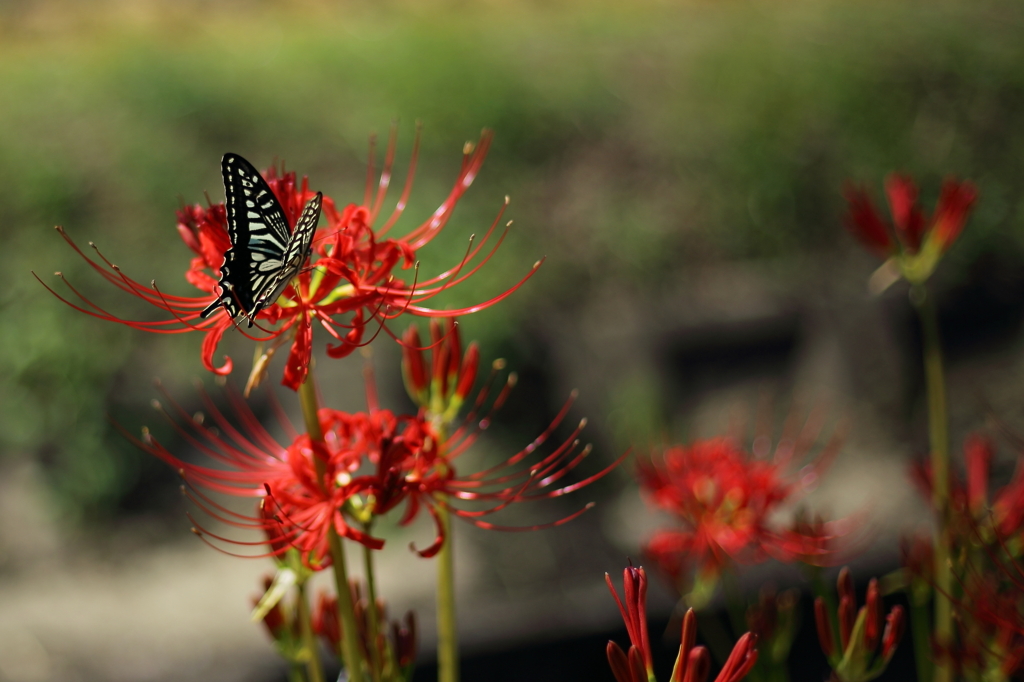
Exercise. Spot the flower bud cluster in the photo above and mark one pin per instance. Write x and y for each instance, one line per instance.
(693, 663)
(390, 650)
(855, 658)
(441, 383)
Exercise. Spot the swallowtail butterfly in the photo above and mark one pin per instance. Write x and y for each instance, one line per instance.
(263, 256)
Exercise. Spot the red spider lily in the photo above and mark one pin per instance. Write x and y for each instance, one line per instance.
(414, 463)
(860, 632)
(970, 495)
(724, 498)
(349, 284)
(692, 663)
(911, 230)
(296, 505)
(305, 488)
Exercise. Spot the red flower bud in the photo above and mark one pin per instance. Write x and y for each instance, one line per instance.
(847, 617)
(405, 640)
(636, 664)
(824, 628)
(955, 200)
(906, 215)
(699, 665)
(865, 224)
(412, 363)
(439, 366)
(467, 375)
(618, 662)
(844, 584)
(873, 619)
(325, 621)
(895, 622)
(454, 352)
(978, 455)
(740, 661)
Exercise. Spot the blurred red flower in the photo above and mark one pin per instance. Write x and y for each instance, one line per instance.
(725, 499)
(910, 228)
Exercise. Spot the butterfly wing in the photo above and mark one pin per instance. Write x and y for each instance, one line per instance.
(259, 237)
(299, 245)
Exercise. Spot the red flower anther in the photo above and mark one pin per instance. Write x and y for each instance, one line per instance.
(350, 285)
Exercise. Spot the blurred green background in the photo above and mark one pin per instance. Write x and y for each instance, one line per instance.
(680, 165)
(636, 141)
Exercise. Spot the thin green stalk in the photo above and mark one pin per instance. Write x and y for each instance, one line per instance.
(350, 648)
(313, 665)
(373, 624)
(920, 628)
(938, 436)
(295, 673)
(447, 632)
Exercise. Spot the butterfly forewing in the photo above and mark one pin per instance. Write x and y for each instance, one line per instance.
(263, 256)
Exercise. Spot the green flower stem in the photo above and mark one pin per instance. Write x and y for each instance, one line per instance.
(350, 649)
(373, 618)
(447, 631)
(920, 629)
(313, 665)
(295, 673)
(938, 436)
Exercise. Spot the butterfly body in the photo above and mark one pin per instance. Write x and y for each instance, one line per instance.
(264, 255)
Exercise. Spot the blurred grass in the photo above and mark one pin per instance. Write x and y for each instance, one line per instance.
(636, 141)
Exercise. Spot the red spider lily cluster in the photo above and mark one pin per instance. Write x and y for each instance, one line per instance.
(693, 663)
(317, 489)
(725, 499)
(350, 284)
(367, 464)
(990, 599)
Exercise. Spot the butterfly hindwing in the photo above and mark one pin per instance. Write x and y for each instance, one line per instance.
(263, 256)
(299, 244)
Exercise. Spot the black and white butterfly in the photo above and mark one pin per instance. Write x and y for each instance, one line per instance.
(264, 256)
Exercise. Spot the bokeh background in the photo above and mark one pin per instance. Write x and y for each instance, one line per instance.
(680, 165)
